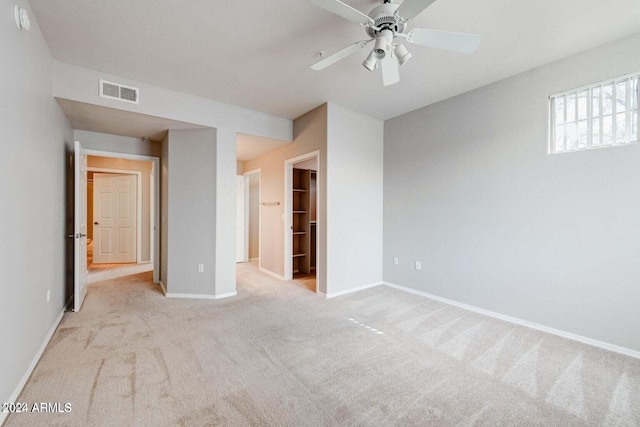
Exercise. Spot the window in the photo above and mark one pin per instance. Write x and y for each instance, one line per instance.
(604, 114)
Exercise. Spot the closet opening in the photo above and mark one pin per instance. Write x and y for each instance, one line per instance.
(302, 212)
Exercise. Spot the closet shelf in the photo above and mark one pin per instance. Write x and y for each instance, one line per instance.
(303, 209)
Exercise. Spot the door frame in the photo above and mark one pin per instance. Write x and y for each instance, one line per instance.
(138, 175)
(154, 187)
(248, 175)
(79, 226)
(241, 225)
(288, 216)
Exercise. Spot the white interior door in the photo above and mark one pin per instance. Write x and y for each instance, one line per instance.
(114, 218)
(240, 218)
(80, 228)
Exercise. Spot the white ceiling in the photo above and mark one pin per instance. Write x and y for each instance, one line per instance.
(257, 54)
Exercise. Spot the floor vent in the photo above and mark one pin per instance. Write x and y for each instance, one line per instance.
(117, 91)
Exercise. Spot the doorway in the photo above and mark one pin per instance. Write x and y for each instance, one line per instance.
(253, 199)
(122, 231)
(114, 215)
(302, 202)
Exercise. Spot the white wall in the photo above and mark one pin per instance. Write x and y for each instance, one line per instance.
(34, 207)
(499, 224)
(354, 199)
(82, 84)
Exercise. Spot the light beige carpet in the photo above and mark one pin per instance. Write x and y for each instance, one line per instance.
(278, 354)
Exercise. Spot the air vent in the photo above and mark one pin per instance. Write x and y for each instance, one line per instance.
(121, 93)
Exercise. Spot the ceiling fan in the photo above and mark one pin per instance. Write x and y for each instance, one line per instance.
(384, 24)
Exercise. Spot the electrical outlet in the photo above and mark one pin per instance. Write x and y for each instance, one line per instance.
(396, 261)
(48, 295)
(200, 268)
(418, 265)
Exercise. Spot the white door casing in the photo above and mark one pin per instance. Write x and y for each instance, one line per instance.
(240, 218)
(288, 217)
(115, 218)
(80, 227)
(155, 193)
(257, 173)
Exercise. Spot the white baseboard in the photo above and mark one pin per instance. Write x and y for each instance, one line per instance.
(32, 366)
(271, 273)
(348, 291)
(201, 296)
(163, 288)
(564, 334)
(227, 295)
(195, 296)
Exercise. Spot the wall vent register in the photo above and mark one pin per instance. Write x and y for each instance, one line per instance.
(119, 92)
(603, 114)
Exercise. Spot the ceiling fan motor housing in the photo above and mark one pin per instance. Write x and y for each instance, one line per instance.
(383, 18)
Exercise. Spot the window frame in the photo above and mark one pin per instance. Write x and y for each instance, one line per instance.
(629, 113)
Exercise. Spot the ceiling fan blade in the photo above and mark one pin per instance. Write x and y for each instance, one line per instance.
(390, 71)
(344, 10)
(457, 42)
(410, 8)
(341, 54)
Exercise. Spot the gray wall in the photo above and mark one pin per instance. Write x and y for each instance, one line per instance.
(117, 144)
(34, 212)
(164, 209)
(225, 211)
(470, 191)
(190, 201)
(354, 195)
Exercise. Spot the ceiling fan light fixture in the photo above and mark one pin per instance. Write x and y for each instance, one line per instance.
(383, 24)
(380, 48)
(402, 54)
(371, 62)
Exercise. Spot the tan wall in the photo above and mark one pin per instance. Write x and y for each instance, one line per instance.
(310, 134)
(254, 215)
(132, 165)
(90, 206)
(311, 164)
